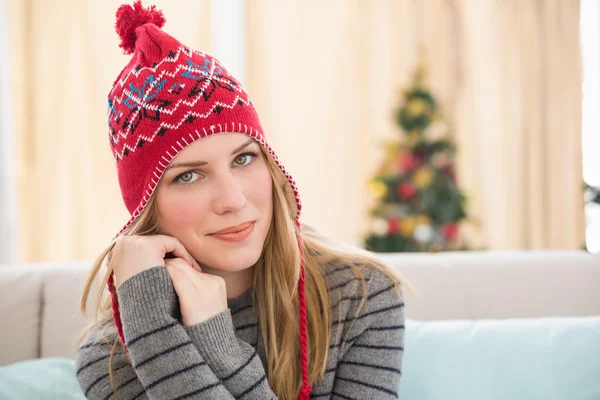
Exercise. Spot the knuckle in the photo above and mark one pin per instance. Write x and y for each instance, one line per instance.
(218, 281)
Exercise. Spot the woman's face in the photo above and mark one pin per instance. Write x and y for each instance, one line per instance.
(216, 198)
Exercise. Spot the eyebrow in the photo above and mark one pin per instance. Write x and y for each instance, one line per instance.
(200, 163)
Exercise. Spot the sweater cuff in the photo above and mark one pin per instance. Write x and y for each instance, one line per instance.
(147, 299)
(215, 337)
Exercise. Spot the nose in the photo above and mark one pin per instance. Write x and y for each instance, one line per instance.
(229, 194)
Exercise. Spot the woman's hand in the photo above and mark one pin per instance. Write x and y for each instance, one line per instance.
(134, 254)
(201, 295)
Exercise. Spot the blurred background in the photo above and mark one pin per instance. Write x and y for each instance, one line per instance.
(408, 125)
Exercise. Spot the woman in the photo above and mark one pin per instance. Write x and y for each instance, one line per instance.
(215, 290)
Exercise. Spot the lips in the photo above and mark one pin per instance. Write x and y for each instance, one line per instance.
(233, 229)
(234, 234)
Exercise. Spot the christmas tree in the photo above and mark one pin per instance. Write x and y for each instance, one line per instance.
(419, 205)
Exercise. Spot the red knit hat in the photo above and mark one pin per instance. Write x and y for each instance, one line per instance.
(166, 97)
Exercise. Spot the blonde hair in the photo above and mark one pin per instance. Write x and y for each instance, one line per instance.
(275, 281)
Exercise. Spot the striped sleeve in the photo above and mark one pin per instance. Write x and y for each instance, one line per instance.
(233, 361)
(373, 345)
(92, 372)
(164, 363)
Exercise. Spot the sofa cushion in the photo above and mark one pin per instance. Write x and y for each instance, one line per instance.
(553, 358)
(528, 359)
(41, 379)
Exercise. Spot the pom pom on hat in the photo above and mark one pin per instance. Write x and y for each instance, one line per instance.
(129, 18)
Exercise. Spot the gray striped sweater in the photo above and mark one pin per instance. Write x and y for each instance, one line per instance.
(223, 357)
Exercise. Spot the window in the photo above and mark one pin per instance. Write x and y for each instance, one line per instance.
(590, 49)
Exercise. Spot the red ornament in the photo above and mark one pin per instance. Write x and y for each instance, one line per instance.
(409, 162)
(406, 190)
(450, 231)
(393, 226)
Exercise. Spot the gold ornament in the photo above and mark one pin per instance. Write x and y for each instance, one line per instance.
(423, 177)
(378, 189)
(417, 108)
(407, 226)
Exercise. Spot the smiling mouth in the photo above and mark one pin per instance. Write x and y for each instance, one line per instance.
(233, 229)
(236, 233)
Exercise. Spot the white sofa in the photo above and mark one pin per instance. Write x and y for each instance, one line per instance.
(39, 302)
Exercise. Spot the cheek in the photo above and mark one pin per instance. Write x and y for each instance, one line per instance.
(260, 191)
(178, 211)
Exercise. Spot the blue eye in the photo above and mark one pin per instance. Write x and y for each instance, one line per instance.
(187, 177)
(245, 159)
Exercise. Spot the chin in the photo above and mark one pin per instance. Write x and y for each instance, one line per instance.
(231, 259)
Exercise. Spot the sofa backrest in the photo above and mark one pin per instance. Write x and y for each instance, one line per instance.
(501, 284)
(39, 303)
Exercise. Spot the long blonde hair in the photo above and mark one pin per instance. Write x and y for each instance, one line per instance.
(275, 281)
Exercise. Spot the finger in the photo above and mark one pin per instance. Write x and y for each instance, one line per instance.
(178, 263)
(199, 280)
(192, 275)
(190, 272)
(174, 246)
(181, 281)
(171, 244)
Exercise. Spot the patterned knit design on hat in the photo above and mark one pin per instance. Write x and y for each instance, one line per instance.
(167, 97)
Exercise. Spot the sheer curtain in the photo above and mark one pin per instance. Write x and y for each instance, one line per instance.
(326, 76)
(65, 57)
(8, 195)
